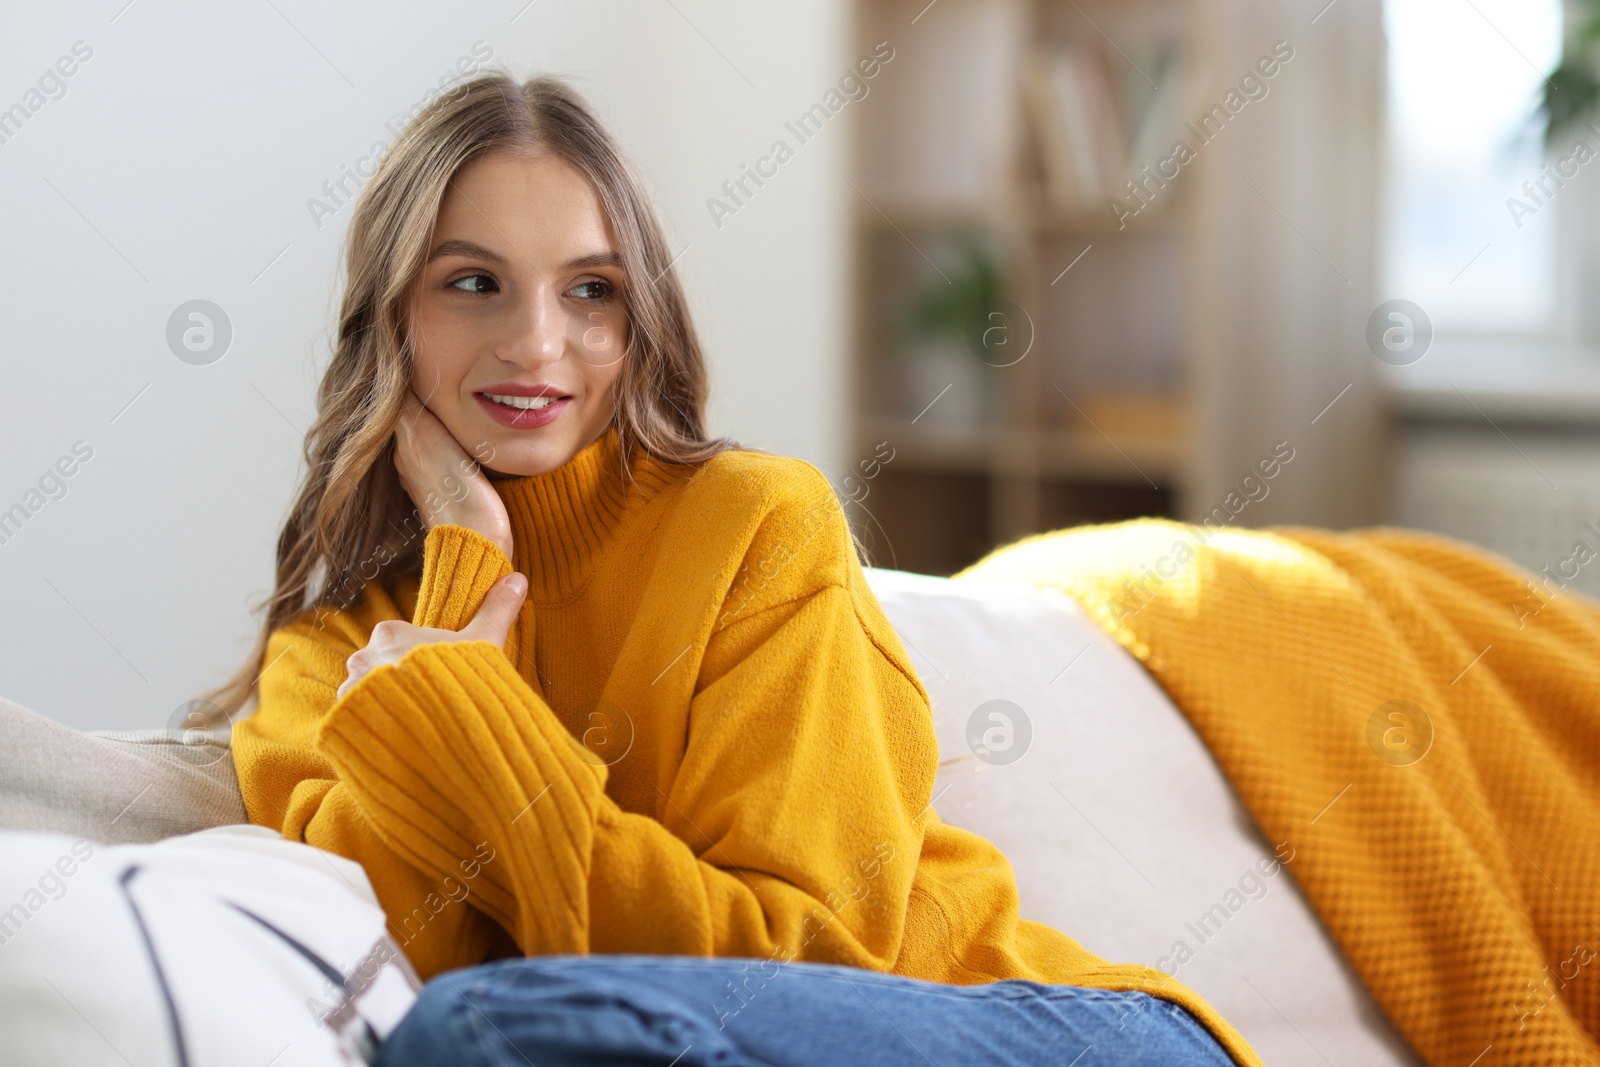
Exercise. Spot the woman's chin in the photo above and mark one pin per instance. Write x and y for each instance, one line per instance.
(526, 459)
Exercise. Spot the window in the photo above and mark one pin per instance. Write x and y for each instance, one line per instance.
(1464, 81)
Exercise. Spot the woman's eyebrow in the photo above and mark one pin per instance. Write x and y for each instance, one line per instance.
(476, 251)
(467, 249)
(594, 259)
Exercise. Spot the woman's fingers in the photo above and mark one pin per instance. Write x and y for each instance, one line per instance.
(444, 483)
(430, 461)
(353, 674)
(391, 639)
(431, 434)
(500, 608)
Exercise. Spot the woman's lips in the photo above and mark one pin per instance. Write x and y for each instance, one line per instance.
(522, 418)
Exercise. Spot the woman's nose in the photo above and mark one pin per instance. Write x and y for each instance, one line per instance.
(536, 332)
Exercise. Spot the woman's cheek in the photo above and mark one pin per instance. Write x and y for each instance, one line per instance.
(445, 340)
(443, 349)
(597, 340)
(598, 336)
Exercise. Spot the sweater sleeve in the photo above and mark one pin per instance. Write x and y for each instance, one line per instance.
(791, 829)
(292, 788)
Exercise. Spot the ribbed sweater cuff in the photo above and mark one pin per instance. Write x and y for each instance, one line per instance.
(459, 566)
(449, 748)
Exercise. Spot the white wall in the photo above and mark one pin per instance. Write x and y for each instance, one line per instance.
(178, 165)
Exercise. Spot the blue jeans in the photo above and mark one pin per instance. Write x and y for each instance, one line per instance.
(555, 1011)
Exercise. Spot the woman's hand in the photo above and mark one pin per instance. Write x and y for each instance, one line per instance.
(392, 638)
(444, 483)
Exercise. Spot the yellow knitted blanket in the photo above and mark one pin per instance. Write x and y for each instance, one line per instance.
(1420, 720)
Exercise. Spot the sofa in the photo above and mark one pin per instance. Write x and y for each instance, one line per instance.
(1054, 743)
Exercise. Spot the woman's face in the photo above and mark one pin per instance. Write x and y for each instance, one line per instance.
(518, 321)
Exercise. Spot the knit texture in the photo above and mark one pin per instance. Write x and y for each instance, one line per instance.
(1461, 876)
(702, 738)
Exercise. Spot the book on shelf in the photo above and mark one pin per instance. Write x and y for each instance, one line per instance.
(1097, 118)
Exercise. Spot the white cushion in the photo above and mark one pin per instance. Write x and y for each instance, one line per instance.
(1122, 830)
(82, 940)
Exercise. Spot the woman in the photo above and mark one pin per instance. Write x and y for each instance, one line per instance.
(568, 676)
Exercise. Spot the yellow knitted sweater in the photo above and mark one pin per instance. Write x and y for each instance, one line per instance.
(1420, 721)
(702, 738)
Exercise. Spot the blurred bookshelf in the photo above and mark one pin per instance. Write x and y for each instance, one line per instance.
(988, 155)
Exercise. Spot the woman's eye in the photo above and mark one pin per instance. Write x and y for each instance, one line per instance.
(475, 283)
(593, 291)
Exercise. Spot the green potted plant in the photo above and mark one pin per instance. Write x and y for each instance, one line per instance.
(1571, 92)
(943, 330)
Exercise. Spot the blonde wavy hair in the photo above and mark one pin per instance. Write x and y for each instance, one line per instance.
(352, 522)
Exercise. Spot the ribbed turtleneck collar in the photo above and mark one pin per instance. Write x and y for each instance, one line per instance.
(562, 521)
